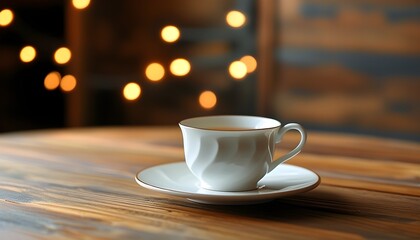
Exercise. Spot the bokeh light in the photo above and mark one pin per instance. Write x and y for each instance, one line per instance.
(27, 54)
(237, 70)
(170, 34)
(52, 80)
(207, 99)
(131, 91)
(235, 19)
(155, 72)
(62, 55)
(80, 4)
(68, 83)
(250, 62)
(6, 17)
(180, 67)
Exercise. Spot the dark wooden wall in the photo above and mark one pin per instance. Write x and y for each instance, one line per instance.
(349, 65)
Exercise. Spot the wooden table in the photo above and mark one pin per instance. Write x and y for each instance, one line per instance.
(79, 184)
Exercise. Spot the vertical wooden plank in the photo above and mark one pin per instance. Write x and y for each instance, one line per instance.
(76, 101)
(265, 45)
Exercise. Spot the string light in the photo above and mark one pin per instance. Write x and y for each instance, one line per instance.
(207, 99)
(170, 34)
(237, 70)
(250, 62)
(235, 19)
(62, 55)
(155, 72)
(52, 80)
(27, 54)
(80, 4)
(131, 91)
(68, 83)
(6, 17)
(180, 67)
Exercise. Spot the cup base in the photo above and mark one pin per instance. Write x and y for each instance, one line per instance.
(228, 188)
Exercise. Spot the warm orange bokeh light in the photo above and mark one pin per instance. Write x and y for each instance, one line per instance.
(62, 55)
(170, 34)
(68, 83)
(80, 4)
(250, 62)
(235, 19)
(6, 17)
(180, 67)
(27, 54)
(52, 80)
(237, 70)
(155, 72)
(207, 99)
(131, 91)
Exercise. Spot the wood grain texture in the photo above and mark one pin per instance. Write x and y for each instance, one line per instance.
(79, 184)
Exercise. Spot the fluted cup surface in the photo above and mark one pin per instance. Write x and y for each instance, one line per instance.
(232, 153)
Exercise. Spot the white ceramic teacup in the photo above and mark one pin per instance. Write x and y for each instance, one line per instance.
(232, 153)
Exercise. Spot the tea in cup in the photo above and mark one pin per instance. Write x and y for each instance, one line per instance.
(232, 152)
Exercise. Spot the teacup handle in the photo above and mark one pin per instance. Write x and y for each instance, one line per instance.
(295, 151)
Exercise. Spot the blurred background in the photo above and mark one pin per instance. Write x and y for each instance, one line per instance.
(341, 66)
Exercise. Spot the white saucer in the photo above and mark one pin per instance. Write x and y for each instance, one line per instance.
(176, 179)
